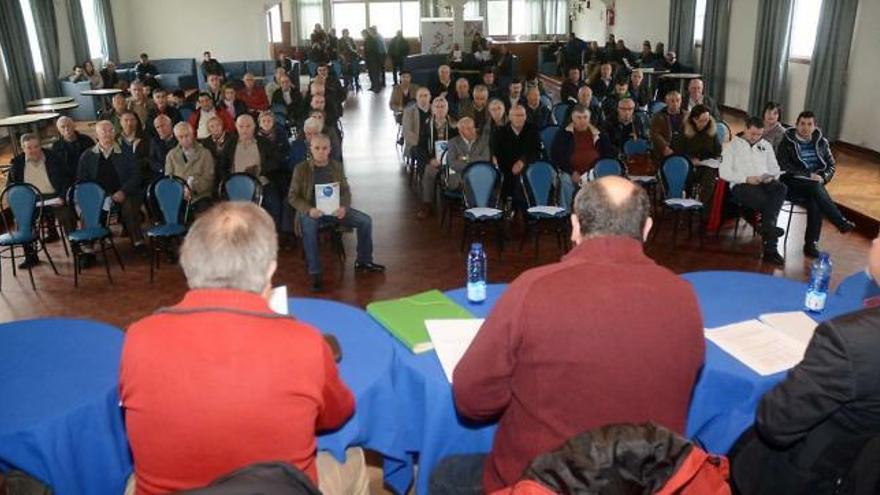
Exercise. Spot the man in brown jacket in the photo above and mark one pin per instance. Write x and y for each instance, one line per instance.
(193, 163)
(319, 170)
(666, 125)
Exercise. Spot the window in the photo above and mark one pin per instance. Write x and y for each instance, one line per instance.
(33, 40)
(526, 17)
(699, 21)
(311, 12)
(93, 33)
(273, 24)
(496, 17)
(389, 16)
(805, 23)
(351, 16)
(472, 9)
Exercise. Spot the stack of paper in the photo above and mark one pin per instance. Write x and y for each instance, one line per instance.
(772, 344)
(451, 338)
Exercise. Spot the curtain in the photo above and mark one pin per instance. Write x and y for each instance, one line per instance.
(47, 32)
(78, 31)
(682, 15)
(770, 66)
(713, 62)
(829, 69)
(104, 15)
(21, 80)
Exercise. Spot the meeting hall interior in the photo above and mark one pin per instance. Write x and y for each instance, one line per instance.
(439, 247)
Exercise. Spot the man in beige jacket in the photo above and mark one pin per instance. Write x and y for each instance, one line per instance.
(193, 163)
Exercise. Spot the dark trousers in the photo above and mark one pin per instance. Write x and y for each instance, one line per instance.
(396, 67)
(353, 218)
(376, 70)
(815, 198)
(767, 198)
(458, 475)
(705, 178)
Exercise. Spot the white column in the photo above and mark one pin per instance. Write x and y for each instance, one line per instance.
(457, 21)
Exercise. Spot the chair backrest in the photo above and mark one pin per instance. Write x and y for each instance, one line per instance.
(675, 171)
(548, 134)
(560, 111)
(240, 186)
(634, 147)
(657, 106)
(607, 166)
(723, 133)
(166, 194)
(88, 197)
(540, 180)
(546, 101)
(22, 200)
(480, 182)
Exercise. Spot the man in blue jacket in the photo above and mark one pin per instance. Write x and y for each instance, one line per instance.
(807, 164)
(118, 173)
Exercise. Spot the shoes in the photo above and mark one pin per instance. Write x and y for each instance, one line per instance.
(368, 266)
(772, 256)
(846, 226)
(811, 249)
(317, 285)
(29, 262)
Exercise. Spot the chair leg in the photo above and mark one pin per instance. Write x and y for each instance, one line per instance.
(74, 248)
(537, 241)
(12, 260)
(106, 261)
(787, 228)
(49, 257)
(115, 252)
(31, 275)
(676, 219)
(153, 258)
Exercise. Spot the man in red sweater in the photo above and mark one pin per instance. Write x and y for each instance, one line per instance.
(219, 381)
(604, 336)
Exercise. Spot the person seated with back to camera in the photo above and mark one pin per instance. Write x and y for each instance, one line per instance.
(526, 368)
(319, 169)
(194, 164)
(218, 343)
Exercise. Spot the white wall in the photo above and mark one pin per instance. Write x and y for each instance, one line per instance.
(741, 53)
(230, 29)
(861, 112)
(639, 20)
(590, 25)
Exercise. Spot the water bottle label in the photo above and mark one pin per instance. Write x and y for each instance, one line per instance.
(476, 291)
(815, 300)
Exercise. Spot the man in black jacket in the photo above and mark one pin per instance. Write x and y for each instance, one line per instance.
(146, 72)
(48, 173)
(161, 142)
(398, 49)
(71, 145)
(811, 427)
(514, 147)
(807, 164)
(211, 66)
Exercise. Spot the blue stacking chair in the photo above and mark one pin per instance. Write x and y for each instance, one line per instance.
(540, 181)
(88, 198)
(634, 147)
(170, 211)
(675, 173)
(241, 186)
(481, 182)
(546, 101)
(723, 133)
(548, 134)
(22, 199)
(657, 106)
(606, 166)
(450, 199)
(560, 111)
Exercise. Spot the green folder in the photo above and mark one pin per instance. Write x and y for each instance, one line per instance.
(405, 318)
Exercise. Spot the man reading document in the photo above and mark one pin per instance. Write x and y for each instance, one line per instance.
(311, 213)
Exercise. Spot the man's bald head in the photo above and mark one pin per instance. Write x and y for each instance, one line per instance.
(611, 206)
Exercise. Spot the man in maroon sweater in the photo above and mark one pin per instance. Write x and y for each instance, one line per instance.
(604, 336)
(219, 381)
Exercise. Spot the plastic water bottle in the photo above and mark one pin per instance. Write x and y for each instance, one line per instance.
(476, 273)
(817, 291)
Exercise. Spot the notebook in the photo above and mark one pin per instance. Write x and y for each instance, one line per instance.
(405, 318)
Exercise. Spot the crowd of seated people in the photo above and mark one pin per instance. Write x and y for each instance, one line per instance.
(604, 102)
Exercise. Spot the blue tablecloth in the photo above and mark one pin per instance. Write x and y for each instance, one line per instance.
(725, 397)
(366, 367)
(59, 415)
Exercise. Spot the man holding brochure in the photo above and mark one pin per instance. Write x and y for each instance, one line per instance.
(320, 194)
(604, 336)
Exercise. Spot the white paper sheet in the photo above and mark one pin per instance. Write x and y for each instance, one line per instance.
(278, 300)
(451, 338)
(796, 324)
(327, 197)
(760, 347)
(684, 202)
(56, 201)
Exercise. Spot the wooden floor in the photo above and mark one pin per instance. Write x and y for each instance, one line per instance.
(418, 254)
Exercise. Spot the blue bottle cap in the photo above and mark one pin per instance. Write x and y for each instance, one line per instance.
(477, 246)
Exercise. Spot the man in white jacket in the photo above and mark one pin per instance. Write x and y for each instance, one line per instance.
(749, 165)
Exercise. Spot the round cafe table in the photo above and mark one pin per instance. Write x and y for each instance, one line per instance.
(53, 107)
(50, 101)
(651, 73)
(682, 77)
(24, 120)
(60, 419)
(102, 95)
